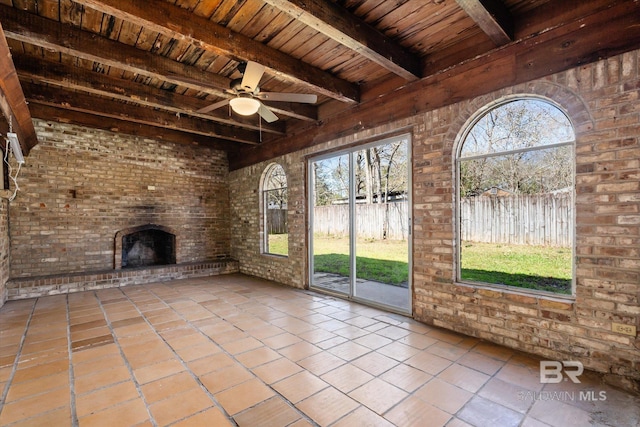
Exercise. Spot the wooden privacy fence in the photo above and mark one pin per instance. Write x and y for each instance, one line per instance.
(277, 221)
(373, 221)
(523, 219)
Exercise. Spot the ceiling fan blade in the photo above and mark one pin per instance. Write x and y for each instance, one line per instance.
(267, 114)
(288, 97)
(213, 106)
(252, 75)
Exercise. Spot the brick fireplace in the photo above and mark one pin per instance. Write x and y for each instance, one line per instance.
(142, 254)
(143, 246)
(110, 182)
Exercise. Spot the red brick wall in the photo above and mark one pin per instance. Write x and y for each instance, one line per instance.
(80, 186)
(602, 101)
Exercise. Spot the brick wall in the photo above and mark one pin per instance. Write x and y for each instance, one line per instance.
(4, 249)
(603, 103)
(246, 225)
(244, 186)
(80, 186)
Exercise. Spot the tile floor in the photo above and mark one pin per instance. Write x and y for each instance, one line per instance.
(235, 350)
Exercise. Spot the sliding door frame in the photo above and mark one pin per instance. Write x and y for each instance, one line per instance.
(350, 152)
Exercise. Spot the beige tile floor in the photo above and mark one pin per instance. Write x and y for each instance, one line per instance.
(235, 350)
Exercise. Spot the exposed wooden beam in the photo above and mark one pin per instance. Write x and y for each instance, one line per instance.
(60, 98)
(563, 47)
(338, 24)
(12, 100)
(58, 115)
(180, 24)
(550, 16)
(32, 69)
(32, 29)
(305, 112)
(492, 16)
(54, 36)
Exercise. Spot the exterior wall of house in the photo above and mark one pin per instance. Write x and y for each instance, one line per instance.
(80, 186)
(602, 101)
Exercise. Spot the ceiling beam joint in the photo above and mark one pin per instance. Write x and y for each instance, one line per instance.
(335, 22)
(492, 16)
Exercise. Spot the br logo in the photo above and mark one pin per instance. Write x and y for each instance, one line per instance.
(551, 372)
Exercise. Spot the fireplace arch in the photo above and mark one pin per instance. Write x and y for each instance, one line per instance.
(143, 246)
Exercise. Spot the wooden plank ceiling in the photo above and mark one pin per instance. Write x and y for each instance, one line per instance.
(148, 67)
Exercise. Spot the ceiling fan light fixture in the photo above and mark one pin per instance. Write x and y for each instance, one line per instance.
(245, 106)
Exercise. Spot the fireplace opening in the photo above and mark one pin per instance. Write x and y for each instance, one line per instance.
(146, 246)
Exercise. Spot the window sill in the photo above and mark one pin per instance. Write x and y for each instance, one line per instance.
(269, 255)
(509, 290)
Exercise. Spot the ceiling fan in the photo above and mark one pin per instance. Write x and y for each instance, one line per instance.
(248, 96)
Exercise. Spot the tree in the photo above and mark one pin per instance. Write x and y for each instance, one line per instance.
(507, 148)
(331, 177)
(322, 192)
(381, 171)
(275, 186)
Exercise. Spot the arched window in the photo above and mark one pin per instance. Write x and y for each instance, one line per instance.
(274, 208)
(515, 179)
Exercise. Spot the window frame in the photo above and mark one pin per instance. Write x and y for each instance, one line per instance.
(478, 115)
(350, 151)
(264, 205)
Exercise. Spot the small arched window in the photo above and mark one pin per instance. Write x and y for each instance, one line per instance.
(275, 208)
(515, 197)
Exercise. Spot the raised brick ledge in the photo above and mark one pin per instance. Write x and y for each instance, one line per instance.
(522, 296)
(33, 287)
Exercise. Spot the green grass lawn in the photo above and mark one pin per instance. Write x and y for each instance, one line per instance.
(532, 267)
(279, 244)
(381, 260)
(385, 271)
(384, 261)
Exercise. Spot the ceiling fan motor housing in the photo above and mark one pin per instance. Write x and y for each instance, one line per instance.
(236, 86)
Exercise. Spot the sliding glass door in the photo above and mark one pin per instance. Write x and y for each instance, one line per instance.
(331, 237)
(360, 223)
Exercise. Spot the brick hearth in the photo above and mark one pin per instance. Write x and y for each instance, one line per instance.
(32, 287)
